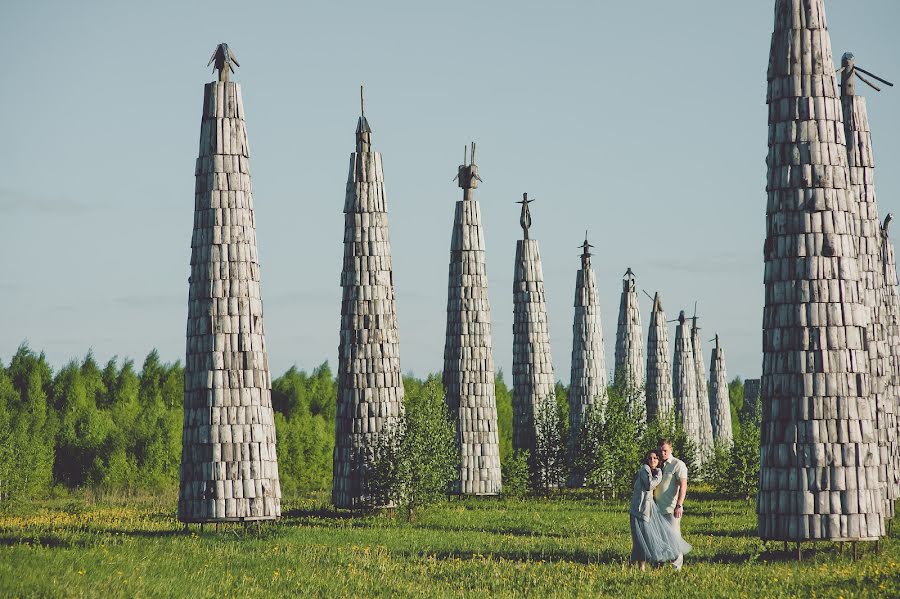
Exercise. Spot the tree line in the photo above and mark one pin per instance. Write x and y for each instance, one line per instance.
(117, 428)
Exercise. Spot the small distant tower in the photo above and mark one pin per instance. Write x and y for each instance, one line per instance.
(751, 400)
(629, 364)
(369, 379)
(468, 358)
(533, 381)
(229, 468)
(587, 382)
(719, 403)
(660, 400)
(703, 408)
(684, 386)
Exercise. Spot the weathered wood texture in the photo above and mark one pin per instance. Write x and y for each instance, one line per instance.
(892, 324)
(719, 403)
(587, 380)
(703, 409)
(229, 469)
(861, 163)
(532, 365)
(629, 354)
(370, 383)
(684, 387)
(819, 453)
(660, 400)
(468, 375)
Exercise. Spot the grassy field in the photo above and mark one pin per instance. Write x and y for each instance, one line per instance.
(573, 544)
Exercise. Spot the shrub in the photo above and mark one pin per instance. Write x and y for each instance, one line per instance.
(548, 459)
(415, 458)
(516, 477)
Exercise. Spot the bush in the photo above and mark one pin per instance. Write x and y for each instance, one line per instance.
(547, 462)
(734, 471)
(415, 458)
(516, 476)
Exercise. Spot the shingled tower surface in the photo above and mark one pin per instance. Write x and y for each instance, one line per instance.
(468, 359)
(703, 409)
(719, 403)
(532, 365)
(819, 457)
(229, 470)
(587, 382)
(861, 163)
(629, 356)
(684, 386)
(660, 400)
(370, 385)
(891, 316)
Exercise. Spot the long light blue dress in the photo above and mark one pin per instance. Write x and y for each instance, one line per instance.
(653, 539)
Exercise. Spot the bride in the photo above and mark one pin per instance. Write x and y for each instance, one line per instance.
(652, 538)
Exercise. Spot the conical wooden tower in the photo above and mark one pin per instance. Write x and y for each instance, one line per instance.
(684, 386)
(370, 383)
(468, 358)
(872, 285)
(751, 400)
(533, 380)
(703, 409)
(660, 400)
(719, 403)
(587, 381)
(629, 356)
(229, 469)
(819, 455)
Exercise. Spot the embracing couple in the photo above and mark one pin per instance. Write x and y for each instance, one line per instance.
(656, 508)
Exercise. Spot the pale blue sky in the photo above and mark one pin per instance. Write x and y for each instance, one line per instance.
(644, 122)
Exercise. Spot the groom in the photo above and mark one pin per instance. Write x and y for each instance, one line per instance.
(669, 494)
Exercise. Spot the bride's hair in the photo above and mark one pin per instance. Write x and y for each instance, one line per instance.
(646, 460)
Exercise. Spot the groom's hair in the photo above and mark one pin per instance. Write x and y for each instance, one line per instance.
(664, 441)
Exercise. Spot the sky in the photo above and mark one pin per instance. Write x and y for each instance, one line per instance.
(642, 122)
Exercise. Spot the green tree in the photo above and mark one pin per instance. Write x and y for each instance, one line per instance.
(33, 424)
(547, 459)
(736, 400)
(415, 458)
(305, 408)
(157, 428)
(504, 417)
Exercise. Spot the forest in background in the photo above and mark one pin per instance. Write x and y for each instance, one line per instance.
(115, 428)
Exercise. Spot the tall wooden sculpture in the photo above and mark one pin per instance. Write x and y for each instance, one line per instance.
(629, 356)
(819, 452)
(719, 403)
(533, 381)
(587, 381)
(660, 401)
(468, 358)
(229, 469)
(370, 383)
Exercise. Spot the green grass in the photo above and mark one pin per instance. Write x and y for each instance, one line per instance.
(573, 544)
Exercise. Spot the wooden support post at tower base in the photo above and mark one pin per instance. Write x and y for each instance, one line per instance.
(799, 552)
(841, 548)
(854, 550)
(785, 547)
